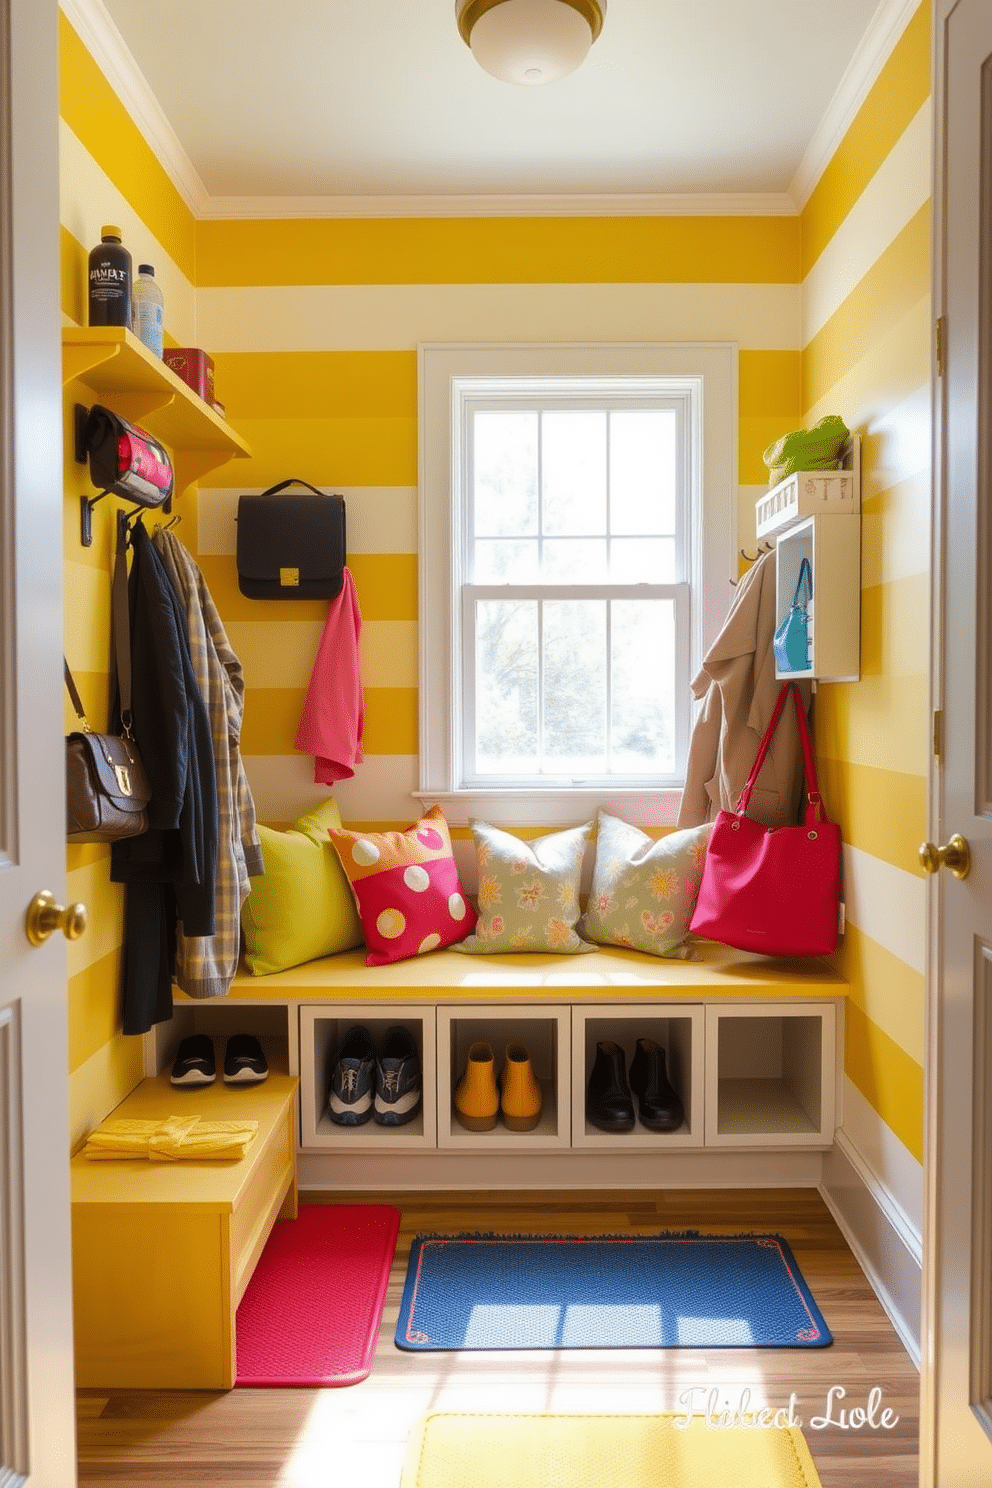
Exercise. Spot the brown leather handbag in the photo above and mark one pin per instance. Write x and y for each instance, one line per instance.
(107, 791)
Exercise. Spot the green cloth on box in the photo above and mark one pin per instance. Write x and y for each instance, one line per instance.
(528, 892)
(302, 907)
(818, 448)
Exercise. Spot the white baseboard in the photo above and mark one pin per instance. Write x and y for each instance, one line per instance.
(332, 1171)
(884, 1241)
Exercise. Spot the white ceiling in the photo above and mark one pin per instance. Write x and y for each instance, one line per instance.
(369, 100)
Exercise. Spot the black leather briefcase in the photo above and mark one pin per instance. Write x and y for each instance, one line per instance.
(291, 545)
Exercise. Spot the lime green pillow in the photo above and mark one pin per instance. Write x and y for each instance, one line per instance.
(302, 906)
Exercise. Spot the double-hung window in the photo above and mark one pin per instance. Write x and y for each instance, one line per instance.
(565, 500)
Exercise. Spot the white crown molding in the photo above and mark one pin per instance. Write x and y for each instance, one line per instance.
(887, 25)
(92, 21)
(102, 39)
(633, 205)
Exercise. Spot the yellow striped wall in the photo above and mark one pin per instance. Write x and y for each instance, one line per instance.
(107, 174)
(313, 326)
(318, 373)
(866, 354)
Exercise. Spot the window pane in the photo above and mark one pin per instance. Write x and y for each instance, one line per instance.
(643, 695)
(573, 471)
(574, 637)
(505, 473)
(642, 470)
(575, 560)
(502, 561)
(506, 686)
(643, 560)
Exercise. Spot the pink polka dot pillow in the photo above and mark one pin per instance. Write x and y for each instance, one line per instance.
(406, 885)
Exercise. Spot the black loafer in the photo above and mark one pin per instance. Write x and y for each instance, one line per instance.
(194, 1063)
(659, 1108)
(244, 1062)
(608, 1100)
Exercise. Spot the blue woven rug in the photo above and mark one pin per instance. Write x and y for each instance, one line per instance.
(682, 1290)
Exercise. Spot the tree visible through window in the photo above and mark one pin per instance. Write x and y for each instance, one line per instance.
(575, 598)
(577, 510)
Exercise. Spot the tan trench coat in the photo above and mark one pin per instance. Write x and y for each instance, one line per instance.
(739, 690)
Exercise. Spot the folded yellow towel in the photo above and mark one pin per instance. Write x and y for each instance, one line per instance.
(208, 1139)
(170, 1139)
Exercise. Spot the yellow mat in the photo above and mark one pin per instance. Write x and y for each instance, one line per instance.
(468, 1450)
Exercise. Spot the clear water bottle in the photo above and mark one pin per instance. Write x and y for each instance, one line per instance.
(149, 309)
(109, 281)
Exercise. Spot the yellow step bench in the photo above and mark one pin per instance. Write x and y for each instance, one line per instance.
(162, 1252)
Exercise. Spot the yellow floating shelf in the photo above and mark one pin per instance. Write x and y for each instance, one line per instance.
(121, 372)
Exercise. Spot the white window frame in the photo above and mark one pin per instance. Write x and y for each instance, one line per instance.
(447, 374)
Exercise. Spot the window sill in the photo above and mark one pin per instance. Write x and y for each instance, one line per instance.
(554, 808)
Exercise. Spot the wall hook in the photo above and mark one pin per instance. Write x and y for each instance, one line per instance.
(86, 505)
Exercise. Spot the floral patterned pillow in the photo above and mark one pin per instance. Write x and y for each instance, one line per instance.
(528, 891)
(644, 890)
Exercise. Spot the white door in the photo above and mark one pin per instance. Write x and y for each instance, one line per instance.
(956, 1423)
(37, 1416)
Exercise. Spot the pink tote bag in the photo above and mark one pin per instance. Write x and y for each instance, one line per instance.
(773, 890)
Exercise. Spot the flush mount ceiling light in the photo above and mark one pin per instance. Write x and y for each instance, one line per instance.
(529, 41)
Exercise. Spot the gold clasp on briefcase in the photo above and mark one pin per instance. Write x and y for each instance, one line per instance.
(289, 578)
(123, 779)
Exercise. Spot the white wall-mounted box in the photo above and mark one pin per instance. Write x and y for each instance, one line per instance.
(832, 544)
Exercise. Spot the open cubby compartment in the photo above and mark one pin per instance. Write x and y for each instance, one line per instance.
(832, 544)
(679, 1028)
(322, 1030)
(771, 1075)
(544, 1032)
(219, 1018)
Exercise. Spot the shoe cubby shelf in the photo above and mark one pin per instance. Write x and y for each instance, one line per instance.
(545, 1033)
(322, 1030)
(679, 1031)
(751, 1049)
(273, 1024)
(770, 1076)
(747, 1075)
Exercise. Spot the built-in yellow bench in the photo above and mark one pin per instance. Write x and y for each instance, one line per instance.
(608, 972)
(752, 1044)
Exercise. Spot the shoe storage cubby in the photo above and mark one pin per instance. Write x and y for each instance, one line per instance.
(544, 1032)
(322, 1030)
(273, 1024)
(771, 1075)
(679, 1030)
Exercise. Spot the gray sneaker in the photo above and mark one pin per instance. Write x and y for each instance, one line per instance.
(397, 1079)
(350, 1099)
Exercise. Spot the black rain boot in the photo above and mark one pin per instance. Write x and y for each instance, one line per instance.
(659, 1107)
(609, 1104)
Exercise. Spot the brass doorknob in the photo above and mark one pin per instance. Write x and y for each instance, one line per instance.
(955, 855)
(44, 916)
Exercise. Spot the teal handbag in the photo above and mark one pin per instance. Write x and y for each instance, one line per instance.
(791, 639)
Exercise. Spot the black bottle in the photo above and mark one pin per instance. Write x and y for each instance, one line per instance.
(110, 281)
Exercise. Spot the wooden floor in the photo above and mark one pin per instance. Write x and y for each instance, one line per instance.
(357, 1436)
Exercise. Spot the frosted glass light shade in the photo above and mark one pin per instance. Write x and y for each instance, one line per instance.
(530, 42)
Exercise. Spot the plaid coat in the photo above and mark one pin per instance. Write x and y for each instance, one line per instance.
(205, 964)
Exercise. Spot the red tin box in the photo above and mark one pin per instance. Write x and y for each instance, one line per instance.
(194, 367)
